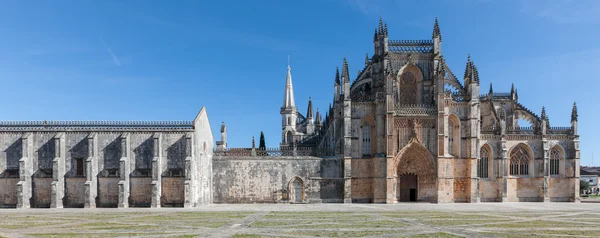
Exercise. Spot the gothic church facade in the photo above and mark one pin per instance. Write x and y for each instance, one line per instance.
(408, 129)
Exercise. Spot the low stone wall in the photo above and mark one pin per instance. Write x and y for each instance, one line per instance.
(270, 179)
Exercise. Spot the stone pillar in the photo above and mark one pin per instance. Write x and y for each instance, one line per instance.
(156, 169)
(504, 169)
(445, 161)
(576, 176)
(124, 172)
(546, 170)
(189, 160)
(24, 188)
(347, 152)
(91, 170)
(58, 171)
(380, 161)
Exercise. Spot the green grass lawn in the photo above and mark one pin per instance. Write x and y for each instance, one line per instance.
(298, 224)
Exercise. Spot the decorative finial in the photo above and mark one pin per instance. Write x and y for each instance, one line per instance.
(469, 57)
(288, 61)
(367, 59)
(253, 146)
(380, 25)
(574, 114)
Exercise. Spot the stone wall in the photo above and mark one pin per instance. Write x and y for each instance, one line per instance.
(268, 179)
(8, 192)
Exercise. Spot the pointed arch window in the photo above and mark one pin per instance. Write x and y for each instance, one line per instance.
(554, 161)
(408, 88)
(519, 161)
(482, 164)
(366, 139)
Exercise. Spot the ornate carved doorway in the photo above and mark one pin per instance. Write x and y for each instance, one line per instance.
(408, 188)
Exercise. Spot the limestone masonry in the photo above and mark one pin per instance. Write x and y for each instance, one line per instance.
(405, 129)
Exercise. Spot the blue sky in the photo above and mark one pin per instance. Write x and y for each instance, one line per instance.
(164, 60)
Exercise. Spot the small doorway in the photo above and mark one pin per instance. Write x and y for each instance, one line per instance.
(408, 188)
(297, 190)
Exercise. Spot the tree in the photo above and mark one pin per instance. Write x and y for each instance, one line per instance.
(261, 144)
(584, 186)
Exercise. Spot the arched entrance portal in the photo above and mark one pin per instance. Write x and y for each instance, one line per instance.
(415, 174)
(408, 188)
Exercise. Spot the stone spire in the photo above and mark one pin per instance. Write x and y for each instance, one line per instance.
(337, 76)
(491, 89)
(319, 119)
(288, 96)
(345, 73)
(544, 116)
(512, 89)
(367, 59)
(471, 74)
(309, 112)
(574, 114)
(385, 31)
(436, 30)
(380, 25)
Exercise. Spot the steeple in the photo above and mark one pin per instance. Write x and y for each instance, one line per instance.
(288, 96)
(574, 114)
(309, 112)
(491, 90)
(436, 30)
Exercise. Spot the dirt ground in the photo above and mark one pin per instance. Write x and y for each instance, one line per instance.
(311, 220)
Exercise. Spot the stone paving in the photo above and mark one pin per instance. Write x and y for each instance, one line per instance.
(311, 220)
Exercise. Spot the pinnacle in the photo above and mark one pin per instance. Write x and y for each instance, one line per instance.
(436, 30)
(337, 76)
(574, 114)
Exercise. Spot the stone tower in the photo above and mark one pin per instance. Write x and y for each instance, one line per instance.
(288, 111)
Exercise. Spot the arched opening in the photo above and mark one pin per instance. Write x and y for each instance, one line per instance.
(483, 163)
(366, 139)
(289, 121)
(408, 88)
(408, 188)
(289, 138)
(556, 160)
(366, 135)
(519, 160)
(415, 174)
(297, 190)
(454, 136)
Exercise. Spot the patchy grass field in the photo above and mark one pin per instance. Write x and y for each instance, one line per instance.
(264, 223)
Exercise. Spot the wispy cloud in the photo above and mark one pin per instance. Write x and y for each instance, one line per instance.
(564, 11)
(113, 56)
